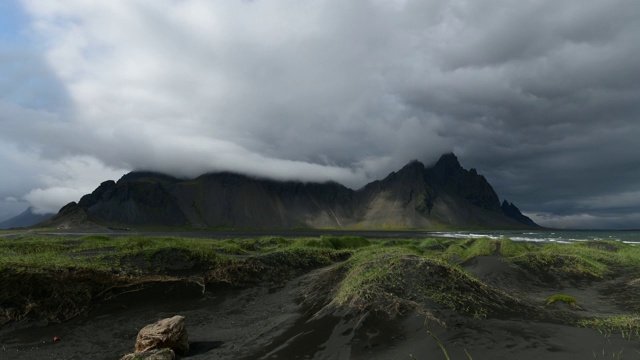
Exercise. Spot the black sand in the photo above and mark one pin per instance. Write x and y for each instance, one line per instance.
(273, 323)
(289, 321)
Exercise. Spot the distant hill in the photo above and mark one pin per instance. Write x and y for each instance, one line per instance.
(25, 219)
(441, 196)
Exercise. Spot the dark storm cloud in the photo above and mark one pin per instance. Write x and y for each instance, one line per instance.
(545, 103)
(540, 96)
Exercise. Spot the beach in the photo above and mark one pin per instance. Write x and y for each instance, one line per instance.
(297, 318)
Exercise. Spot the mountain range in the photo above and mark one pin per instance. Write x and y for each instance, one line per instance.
(444, 195)
(24, 219)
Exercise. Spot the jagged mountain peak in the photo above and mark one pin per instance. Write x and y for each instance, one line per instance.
(510, 210)
(413, 170)
(448, 161)
(415, 196)
(413, 164)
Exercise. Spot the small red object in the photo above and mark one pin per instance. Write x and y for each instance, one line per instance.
(56, 339)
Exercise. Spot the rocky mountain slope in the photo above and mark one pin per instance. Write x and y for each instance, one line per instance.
(441, 196)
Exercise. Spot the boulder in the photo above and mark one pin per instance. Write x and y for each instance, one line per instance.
(168, 333)
(155, 354)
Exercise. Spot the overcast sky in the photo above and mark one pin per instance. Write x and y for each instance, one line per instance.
(540, 96)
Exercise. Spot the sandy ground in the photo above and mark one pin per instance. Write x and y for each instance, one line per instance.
(272, 323)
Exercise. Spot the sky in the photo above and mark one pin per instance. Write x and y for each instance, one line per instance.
(540, 96)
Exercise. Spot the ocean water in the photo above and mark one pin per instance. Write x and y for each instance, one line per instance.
(560, 236)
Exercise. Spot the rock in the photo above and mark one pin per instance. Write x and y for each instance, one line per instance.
(168, 333)
(155, 354)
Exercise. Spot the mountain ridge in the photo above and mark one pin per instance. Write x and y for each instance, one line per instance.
(24, 219)
(444, 195)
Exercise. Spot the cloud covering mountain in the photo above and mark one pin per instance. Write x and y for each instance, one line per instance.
(540, 96)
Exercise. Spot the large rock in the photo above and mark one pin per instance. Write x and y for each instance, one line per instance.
(168, 333)
(155, 354)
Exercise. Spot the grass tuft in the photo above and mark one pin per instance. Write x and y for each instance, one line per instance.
(627, 325)
(563, 298)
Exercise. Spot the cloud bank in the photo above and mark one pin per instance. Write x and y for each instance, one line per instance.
(540, 96)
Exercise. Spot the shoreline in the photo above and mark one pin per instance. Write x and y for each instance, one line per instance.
(628, 236)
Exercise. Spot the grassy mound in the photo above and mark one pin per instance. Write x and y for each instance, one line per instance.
(589, 260)
(397, 280)
(272, 267)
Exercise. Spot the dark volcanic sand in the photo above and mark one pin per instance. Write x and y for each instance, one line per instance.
(270, 323)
